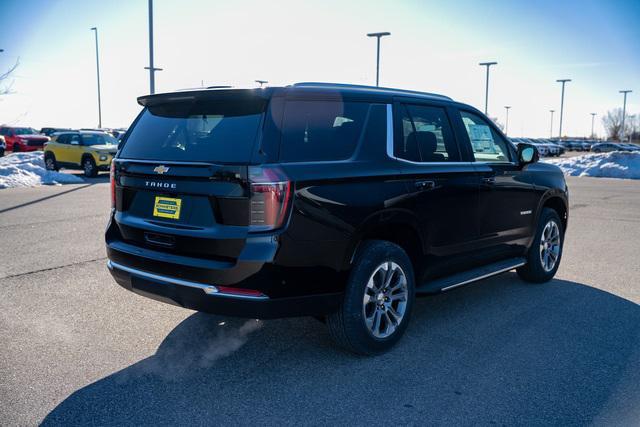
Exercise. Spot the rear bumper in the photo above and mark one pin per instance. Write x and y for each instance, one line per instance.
(208, 298)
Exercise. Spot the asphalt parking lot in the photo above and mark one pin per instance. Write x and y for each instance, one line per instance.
(76, 349)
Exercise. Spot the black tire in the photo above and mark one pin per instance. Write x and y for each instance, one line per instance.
(1, 152)
(89, 167)
(16, 148)
(50, 162)
(347, 326)
(533, 270)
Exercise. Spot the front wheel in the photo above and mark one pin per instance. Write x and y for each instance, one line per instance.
(543, 258)
(378, 300)
(89, 167)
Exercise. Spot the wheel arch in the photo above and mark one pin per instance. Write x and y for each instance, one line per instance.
(396, 226)
(558, 202)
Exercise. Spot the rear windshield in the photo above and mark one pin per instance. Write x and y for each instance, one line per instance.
(218, 131)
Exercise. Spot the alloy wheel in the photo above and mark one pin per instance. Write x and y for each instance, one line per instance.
(385, 299)
(550, 246)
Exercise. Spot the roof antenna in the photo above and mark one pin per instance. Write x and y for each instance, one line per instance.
(262, 82)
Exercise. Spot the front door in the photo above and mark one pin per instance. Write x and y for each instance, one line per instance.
(506, 198)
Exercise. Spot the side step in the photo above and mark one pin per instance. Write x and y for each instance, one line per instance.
(469, 276)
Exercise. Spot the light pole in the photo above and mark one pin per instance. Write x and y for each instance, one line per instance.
(593, 116)
(486, 90)
(95, 30)
(563, 81)
(262, 82)
(506, 126)
(551, 128)
(624, 112)
(378, 36)
(151, 68)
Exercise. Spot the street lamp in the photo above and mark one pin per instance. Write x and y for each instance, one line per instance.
(593, 116)
(486, 91)
(261, 82)
(378, 36)
(506, 126)
(95, 30)
(151, 68)
(624, 112)
(551, 129)
(563, 81)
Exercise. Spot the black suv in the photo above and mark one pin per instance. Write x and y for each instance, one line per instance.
(335, 201)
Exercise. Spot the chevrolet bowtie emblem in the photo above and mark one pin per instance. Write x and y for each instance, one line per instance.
(160, 169)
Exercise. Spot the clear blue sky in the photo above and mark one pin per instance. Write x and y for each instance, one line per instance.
(435, 46)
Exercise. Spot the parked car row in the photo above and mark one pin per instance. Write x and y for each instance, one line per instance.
(607, 147)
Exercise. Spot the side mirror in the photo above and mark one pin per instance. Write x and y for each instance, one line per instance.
(527, 154)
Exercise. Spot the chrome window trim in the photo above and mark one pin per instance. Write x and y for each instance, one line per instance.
(207, 289)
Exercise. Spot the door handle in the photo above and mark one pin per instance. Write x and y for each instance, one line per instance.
(425, 185)
(489, 181)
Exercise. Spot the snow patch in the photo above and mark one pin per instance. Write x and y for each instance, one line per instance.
(27, 170)
(616, 164)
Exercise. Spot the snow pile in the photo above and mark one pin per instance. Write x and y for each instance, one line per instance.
(616, 164)
(27, 170)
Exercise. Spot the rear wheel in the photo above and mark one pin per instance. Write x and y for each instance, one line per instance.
(378, 300)
(50, 162)
(543, 258)
(89, 167)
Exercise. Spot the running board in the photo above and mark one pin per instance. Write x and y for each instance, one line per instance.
(469, 276)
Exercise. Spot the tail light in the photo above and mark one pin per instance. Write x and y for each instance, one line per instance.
(112, 178)
(270, 196)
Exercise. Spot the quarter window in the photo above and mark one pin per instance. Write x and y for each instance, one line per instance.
(321, 130)
(486, 143)
(426, 135)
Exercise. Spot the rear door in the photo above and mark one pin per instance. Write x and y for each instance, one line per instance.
(442, 188)
(61, 148)
(506, 198)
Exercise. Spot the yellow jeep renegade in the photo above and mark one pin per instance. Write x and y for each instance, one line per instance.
(90, 151)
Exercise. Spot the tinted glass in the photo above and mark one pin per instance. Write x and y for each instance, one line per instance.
(487, 144)
(321, 130)
(426, 135)
(63, 139)
(198, 130)
(98, 139)
(74, 139)
(25, 131)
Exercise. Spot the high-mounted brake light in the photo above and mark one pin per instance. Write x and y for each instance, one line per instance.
(270, 196)
(112, 178)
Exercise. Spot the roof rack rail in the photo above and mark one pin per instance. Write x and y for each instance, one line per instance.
(219, 87)
(383, 89)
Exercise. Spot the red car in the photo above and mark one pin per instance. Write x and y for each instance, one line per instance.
(23, 139)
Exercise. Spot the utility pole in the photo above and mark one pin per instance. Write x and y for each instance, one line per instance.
(378, 36)
(151, 68)
(624, 112)
(95, 30)
(506, 127)
(593, 116)
(486, 90)
(563, 81)
(551, 129)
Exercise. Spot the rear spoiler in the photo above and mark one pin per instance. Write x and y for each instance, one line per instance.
(192, 95)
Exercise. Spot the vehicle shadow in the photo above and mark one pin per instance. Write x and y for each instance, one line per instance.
(497, 352)
(102, 177)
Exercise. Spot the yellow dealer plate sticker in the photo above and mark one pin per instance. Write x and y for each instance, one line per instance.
(166, 207)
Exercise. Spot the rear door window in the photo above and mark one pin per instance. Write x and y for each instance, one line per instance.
(426, 135)
(219, 131)
(321, 130)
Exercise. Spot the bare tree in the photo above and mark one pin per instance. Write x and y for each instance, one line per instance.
(612, 122)
(5, 84)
